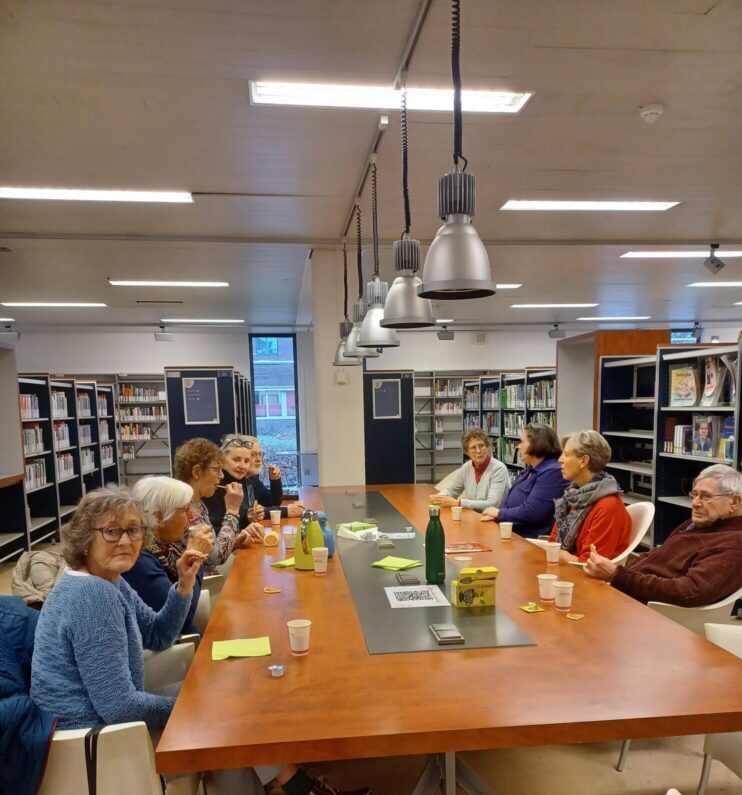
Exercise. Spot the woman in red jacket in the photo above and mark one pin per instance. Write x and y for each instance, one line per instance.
(591, 511)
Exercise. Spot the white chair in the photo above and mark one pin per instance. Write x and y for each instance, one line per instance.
(203, 611)
(162, 668)
(726, 748)
(225, 568)
(213, 583)
(446, 482)
(642, 514)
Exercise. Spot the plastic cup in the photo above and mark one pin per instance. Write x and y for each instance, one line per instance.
(275, 518)
(319, 558)
(289, 537)
(553, 549)
(461, 562)
(456, 513)
(299, 636)
(546, 587)
(506, 530)
(563, 595)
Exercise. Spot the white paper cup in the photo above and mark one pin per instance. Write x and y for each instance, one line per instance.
(462, 562)
(319, 557)
(563, 595)
(506, 530)
(553, 549)
(456, 513)
(299, 636)
(289, 537)
(275, 517)
(546, 587)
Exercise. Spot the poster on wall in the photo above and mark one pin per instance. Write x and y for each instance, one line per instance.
(200, 401)
(387, 399)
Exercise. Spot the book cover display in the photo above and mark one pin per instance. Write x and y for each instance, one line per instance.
(713, 381)
(706, 432)
(683, 385)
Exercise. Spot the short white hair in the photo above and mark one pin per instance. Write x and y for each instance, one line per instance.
(728, 480)
(162, 494)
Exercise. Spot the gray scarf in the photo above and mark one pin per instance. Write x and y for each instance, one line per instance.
(574, 505)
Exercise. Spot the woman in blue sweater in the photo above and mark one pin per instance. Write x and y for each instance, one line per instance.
(529, 504)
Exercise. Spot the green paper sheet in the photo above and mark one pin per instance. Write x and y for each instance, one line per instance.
(391, 563)
(283, 564)
(241, 647)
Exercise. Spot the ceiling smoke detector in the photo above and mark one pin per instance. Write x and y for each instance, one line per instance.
(445, 334)
(650, 113)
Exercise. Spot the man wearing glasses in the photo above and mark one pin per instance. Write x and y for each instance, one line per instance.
(701, 561)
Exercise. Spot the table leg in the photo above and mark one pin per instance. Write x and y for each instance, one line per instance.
(444, 772)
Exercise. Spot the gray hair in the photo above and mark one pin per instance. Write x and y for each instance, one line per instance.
(162, 494)
(594, 446)
(728, 480)
(78, 533)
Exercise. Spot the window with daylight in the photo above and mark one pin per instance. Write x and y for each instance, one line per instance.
(273, 363)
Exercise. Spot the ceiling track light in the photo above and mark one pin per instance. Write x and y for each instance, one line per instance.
(556, 333)
(341, 360)
(404, 308)
(457, 265)
(712, 263)
(352, 348)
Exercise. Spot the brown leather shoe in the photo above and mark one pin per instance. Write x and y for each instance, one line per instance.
(321, 788)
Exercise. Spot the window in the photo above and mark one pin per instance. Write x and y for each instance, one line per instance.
(265, 346)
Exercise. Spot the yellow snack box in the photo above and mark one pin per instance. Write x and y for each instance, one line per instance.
(475, 587)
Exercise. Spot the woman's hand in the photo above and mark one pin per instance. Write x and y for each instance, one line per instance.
(256, 513)
(255, 531)
(201, 539)
(274, 472)
(188, 565)
(243, 540)
(486, 518)
(599, 567)
(444, 501)
(490, 511)
(233, 498)
(295, 509)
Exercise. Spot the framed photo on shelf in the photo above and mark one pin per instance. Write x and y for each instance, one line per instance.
(683, 385)
(713, 381)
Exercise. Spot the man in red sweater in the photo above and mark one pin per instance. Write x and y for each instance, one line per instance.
(701, 561)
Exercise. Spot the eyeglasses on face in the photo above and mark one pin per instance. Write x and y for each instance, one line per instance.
(113, 534)
(216, 469)
(476, 448)
(238, 443)
(704, 496)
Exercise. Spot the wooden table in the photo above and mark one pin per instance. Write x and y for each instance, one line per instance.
(622, 672)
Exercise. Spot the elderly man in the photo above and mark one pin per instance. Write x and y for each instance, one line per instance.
(701, 561)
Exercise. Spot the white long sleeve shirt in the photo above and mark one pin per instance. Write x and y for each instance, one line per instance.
(490, 490)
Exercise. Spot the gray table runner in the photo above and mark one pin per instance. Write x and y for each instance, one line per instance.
(387, 630)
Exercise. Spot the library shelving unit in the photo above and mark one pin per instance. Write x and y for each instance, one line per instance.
(142, 427)
(541, 396)
(489, 386)
(424, 425)
(674, 471)
(471, 404)
(66, 444)
(107, 433)
(89, 435)
(41, 501)
(448, 405)
(243, 403)
(512, 419)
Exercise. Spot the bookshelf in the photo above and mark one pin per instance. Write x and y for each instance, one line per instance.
(489, 386)
(424, 427)
(107, 434)
(89, 435)
(512, 419)
(541, 396)
(66, 442)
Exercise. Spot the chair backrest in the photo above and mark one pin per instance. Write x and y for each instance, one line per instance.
(446, 481)
(642, 514)
(728, 636)
(162, 668)
(694, 618)
(203, 611)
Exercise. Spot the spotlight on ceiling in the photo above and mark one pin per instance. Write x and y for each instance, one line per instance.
(445, 334)
(557, 333)
(712, 263)
(163, 336)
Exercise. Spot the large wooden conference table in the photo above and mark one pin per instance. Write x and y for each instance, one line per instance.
(622, 672)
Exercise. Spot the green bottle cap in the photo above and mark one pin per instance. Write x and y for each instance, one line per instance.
(434, 510)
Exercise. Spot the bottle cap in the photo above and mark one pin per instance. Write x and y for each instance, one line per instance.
(434, 510)
(277, 670)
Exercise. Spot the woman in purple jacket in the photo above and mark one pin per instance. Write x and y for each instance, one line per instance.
(529, 504)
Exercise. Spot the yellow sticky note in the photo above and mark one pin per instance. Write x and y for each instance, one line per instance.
(282, 564)
(392, 563)
(241, 647)
(532, 607)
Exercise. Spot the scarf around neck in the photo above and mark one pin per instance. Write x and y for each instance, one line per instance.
(479, 471)
(572, 508)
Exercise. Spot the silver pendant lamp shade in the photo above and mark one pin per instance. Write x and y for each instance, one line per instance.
(352, 348)
(373, 334)
(404, 308)
(341, 360)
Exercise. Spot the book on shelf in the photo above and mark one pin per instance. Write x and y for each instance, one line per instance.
(713, 381)
(730, 362)
(706, 432)
(683, 385)
(725, 447)
(29, 407)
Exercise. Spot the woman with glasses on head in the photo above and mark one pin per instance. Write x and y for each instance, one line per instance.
(198, 463)
(482, 481)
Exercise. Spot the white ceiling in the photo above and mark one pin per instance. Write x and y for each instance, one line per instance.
(153, 95)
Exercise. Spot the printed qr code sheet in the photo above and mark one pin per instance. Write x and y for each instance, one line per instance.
(416, 596)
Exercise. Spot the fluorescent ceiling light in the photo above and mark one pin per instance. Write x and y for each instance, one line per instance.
(86, 195)
(676, 254)
(618, 317)
(146, 283)
(383, 97)
(199, 320)
(715, 284)
(508, 286)
(7, 320)
(612, 206)
(445, 320)
(551, 306)
(52, 304)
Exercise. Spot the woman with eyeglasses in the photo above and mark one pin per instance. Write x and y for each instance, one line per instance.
(165, 500)
(198, 462)
(87, 665)
(482, 481)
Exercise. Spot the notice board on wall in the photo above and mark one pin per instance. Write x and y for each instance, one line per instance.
(200, 401)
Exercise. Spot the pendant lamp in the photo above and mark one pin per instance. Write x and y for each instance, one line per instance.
(341, 360)
(359, 309)
(372, 334)
(404, 308)
(457, 265)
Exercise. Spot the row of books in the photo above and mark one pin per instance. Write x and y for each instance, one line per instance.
(86, 434)
(127, 452)
(713, 384)
(35, 474)
(135, 431)
(709, 436)
(541, 394)
(106, 455)
(513, 424)
(61, 434)
(87, 460)
(102, 406)
(65, 466)
(83, 406)
(438, 426)
(544, 418)
(513, 396)
(129, 393)
(471, 399)
(491, 398)
(33, 439)
(104, 432)
(449, 408)
(134, 413)
(29, 407)
(509, 453)
(491, 423)
(447, 389)
(59, 404)
(471, 421)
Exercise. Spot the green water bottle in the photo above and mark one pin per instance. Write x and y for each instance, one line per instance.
(435, 548)
(308, 537)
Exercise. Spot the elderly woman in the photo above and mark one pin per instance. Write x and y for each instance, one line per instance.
(529, 504)
(701, 561)
(87, 663)
(243, 461)
(591, 511)
(481, 482)
(166, 501)
(198, 463)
